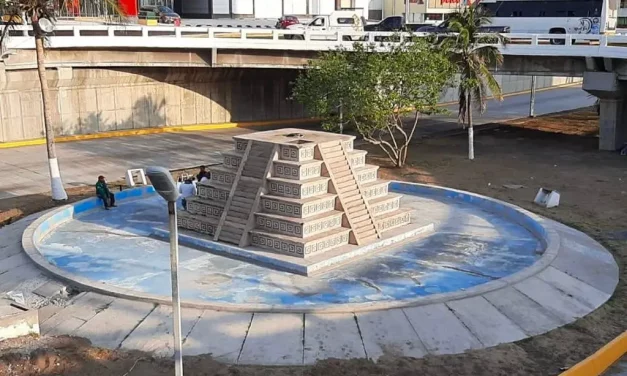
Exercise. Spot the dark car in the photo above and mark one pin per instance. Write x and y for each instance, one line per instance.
(393, 23)
(164, 14)
(286, 21)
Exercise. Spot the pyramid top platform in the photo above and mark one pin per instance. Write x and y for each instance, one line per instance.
(294, 137)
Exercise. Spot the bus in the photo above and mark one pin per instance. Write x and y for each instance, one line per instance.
(554, 16)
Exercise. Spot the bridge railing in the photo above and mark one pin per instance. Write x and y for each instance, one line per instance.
(135, 36)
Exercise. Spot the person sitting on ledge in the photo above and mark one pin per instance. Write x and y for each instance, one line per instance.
(187, 189)
(103, 193)
(202, 174)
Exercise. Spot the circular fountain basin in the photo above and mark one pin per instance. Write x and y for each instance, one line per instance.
(478, 244)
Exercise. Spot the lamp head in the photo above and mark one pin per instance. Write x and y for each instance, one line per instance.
(163, 183)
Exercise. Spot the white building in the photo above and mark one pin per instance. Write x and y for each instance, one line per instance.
(268, 8)
(423, 11)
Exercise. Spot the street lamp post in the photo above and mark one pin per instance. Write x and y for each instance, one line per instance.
(165, 186)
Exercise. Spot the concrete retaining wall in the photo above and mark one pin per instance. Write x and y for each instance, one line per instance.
(96, 100)
(93, 100)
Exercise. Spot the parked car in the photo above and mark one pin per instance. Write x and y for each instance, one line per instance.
(164, 14)
(392, 24)
(336, 21)
(286, 21)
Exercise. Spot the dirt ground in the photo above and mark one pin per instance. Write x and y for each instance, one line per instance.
(555, 152)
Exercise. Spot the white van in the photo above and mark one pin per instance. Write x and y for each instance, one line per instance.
(348, 20)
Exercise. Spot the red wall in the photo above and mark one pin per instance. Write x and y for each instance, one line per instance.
(129, 7)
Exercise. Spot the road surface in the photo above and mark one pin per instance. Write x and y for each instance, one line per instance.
(25, 170)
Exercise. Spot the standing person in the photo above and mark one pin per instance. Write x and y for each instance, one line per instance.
(187, 189)
(202, 174)
(103, 192)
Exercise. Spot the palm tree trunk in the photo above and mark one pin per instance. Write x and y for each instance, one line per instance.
(56, 184)
(471, 135)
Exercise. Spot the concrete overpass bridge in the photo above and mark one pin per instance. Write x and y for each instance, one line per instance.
(252, 65)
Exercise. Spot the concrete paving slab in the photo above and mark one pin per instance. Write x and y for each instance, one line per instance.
(111, 326)
(486, 322)
(49, 289)
(84, 307)
(218, 333)
(332, 336)
(48, 311)
(12, 278)
(274, 339)
(389, 333)
(559, 304)
(440, 330)
(581, 291)
(585, 264)
(66, 327)
(524, 312)
(13, 261)
(155, 334)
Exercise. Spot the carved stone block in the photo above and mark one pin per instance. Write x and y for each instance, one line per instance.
(375, 189)
(394, 220)
(298, 189)
(366, 174)
(296, 154)
(207, 209)
(357, 158)
(296, 208)
(240, 145)
(231, 160)
(299, 248)
(385, 206)
(212, 193)
(192, 223)
(293, 171)
(326, 244)
(223, 177)
(296, 228)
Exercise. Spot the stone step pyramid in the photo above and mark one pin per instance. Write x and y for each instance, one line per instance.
(294, 191)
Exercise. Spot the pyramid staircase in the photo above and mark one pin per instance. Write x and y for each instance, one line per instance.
(300, 197)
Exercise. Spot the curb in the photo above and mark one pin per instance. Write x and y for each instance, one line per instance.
(148, 131)
(600, 361)
(534, 223)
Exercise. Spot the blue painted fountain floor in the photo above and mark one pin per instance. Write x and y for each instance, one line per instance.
(469, 247)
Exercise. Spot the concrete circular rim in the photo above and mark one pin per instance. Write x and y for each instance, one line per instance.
(549, 237)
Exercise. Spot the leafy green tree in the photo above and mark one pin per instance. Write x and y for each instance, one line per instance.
(41, 14)
(473, 52)
(375, 89)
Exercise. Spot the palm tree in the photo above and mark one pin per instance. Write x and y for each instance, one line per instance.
(41, 14)
(473, 52)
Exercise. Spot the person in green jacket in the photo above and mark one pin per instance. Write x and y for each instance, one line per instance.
(103, 192)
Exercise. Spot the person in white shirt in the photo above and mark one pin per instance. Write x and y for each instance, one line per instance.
(187, 189)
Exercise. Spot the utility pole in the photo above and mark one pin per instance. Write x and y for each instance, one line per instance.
(407, 11)
(532, 100)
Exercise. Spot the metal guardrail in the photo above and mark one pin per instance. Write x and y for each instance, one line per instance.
(156, 37)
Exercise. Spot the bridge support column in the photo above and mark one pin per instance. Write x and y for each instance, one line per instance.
(612, 124)
(613, 99)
